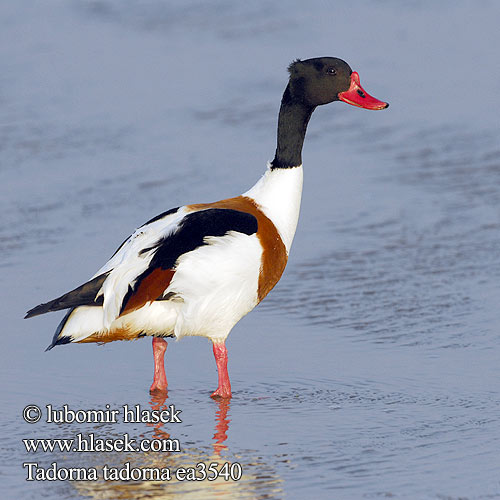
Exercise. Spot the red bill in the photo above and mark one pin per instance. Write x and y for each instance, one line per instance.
(357, 96)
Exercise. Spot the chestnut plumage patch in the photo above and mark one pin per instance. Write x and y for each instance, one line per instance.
(149, 289)
(274, 256)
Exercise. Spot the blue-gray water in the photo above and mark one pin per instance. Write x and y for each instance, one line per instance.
(372, 370)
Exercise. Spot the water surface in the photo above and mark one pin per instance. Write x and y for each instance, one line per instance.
(371, 371)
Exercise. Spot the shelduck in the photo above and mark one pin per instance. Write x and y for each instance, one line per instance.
(198, 269)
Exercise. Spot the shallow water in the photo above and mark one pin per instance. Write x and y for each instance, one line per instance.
(371, 371)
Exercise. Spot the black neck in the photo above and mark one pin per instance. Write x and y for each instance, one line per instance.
(292, 124)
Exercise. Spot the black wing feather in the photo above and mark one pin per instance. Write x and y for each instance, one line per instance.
(84, 295)
(194, 228)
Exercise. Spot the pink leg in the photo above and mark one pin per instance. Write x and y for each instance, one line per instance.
(160, 379)
(224, 389)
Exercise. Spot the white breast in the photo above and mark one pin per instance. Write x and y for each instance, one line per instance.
(278, 193)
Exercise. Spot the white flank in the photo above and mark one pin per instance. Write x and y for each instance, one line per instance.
(218, 284)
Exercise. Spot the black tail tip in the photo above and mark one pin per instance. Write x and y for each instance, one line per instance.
(61, 341)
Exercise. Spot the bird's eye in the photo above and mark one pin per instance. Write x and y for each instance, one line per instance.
(331, 71)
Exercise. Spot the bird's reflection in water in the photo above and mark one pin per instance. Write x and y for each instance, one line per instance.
(221, 425)
(158, 403)
(259, 480)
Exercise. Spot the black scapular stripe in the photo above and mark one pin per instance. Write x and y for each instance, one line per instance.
(84, 295)
(194, 228)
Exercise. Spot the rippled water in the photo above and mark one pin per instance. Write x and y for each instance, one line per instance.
(371, 371)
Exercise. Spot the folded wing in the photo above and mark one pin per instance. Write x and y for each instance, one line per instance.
(140, 271)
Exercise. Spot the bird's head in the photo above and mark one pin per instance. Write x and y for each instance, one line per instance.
(327, 79)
